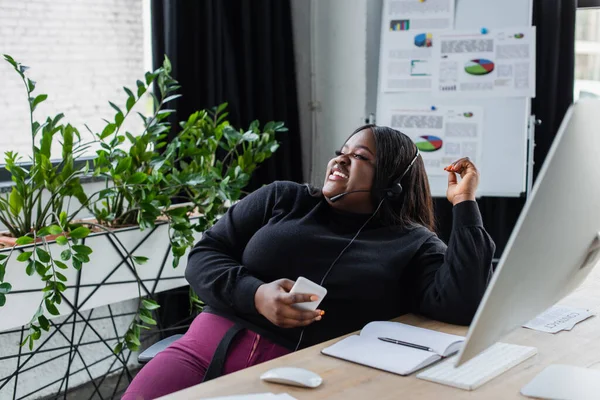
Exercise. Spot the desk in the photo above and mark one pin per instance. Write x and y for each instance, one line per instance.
(344, 380)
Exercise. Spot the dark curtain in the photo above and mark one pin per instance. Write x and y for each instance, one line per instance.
(240, 52)
(555, 65)
(235, 51)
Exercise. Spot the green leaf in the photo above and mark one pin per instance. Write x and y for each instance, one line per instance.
(60, 264)
(147, 320)
(139, 259)
(149, 304)
(15, 201)
(81, 257)
(249, 136)
(43, 255)
(2, 300)
(5, 288)
(132, 346)
(62, 240)
(175, 96)
(65, 255)
(30, 270)
(113, 105)
(43, 232)
(128, 91)
(24, 256)
(38, 99)
(136, 178)
(141, 88)
(123, 165)
(2, 271)
(130, 103)
(55, 230)
(119, 118)
(63, 215)
(60, 276)
(77, 264)
(36, 334)
(44, 323)
(118, 348)
(41, 268)
(81, 249)
(108, 130)
(3, 257)
(23, 240)
(30, 85)
(132, 338)
(51, 307)
(30, 343)
(80, 232)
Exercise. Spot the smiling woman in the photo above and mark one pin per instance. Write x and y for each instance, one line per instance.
(372, 248)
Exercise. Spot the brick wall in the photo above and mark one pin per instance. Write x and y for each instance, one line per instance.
(81, 53)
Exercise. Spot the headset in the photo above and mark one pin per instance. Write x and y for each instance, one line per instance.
(393, 193)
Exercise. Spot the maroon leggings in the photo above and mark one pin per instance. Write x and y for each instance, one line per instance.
(185, 361)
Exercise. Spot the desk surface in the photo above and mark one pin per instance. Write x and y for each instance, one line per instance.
(344, 380)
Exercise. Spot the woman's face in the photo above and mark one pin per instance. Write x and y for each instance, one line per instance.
(352, 169)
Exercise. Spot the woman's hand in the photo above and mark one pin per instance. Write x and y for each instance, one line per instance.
(465, 189)
(273, 301)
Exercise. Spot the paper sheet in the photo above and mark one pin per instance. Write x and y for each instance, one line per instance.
(407, 39)
(558, 318)
(255, 396)
(442, 135)
(500, 63)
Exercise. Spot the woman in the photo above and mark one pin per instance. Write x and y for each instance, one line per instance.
(367, 236)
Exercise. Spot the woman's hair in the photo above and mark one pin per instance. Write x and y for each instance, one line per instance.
(394, 153)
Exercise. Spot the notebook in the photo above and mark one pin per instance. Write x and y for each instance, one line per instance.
(367, 349)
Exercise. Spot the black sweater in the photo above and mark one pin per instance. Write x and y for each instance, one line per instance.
(282, 231)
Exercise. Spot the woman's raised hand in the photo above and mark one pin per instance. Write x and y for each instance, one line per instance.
(465, 189)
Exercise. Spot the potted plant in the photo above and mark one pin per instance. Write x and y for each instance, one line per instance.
(143, 176)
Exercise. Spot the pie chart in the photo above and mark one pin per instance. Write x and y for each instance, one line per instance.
(479, 66)
(428, 143)
(423, 40)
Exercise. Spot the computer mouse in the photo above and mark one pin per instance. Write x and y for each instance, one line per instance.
(292, 376)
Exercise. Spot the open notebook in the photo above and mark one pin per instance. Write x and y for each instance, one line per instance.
(367, 349)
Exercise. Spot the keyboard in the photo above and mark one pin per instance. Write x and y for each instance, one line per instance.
(492, 362)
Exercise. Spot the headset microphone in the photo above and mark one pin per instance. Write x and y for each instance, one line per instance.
(339, 196)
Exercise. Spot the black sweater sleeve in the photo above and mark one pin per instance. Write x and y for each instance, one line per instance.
(450, 282)
(214, 268)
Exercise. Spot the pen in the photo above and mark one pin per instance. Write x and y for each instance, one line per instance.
(400, 342)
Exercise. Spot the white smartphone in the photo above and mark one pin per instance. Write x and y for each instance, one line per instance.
(306, 286)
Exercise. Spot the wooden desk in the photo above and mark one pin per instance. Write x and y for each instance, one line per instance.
(344, 380)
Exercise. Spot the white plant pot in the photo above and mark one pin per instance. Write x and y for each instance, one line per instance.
(108, 278)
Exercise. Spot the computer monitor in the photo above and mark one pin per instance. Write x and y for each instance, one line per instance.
(554, 244)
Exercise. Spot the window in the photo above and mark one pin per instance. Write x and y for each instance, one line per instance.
(81, 54)
(587, 51)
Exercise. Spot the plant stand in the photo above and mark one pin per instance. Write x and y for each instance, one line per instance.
(97, 307)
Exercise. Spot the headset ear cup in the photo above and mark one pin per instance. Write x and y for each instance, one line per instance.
(395, 192)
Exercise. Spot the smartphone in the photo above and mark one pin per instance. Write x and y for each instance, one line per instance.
(306, 286)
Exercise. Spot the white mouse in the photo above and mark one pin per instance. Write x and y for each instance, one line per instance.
(292, 376)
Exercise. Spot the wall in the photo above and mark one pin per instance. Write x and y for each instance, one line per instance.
(81, 53)
(301, 24)
(343, 54)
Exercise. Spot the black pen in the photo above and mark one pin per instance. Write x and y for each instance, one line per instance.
(400, 342)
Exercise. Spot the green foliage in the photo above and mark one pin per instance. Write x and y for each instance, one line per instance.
(31, 218)
(186, 179)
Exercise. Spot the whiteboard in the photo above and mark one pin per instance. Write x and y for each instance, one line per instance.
(503, 163)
